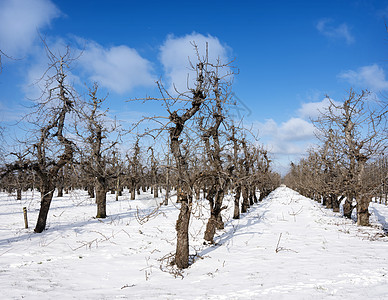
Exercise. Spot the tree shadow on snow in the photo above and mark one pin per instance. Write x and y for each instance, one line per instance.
(235, 227)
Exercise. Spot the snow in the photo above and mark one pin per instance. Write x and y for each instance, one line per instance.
(286, 247)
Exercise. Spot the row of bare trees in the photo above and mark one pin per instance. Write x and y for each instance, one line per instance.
(75, 144)
(198, 121)
(350, 165)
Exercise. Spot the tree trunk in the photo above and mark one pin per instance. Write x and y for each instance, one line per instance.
(18, 194)
(210, 229)
(250, 196)
(236, 213)
(254, 195)
(262, 195)
(133, 193)
(324, 200)
(220, 223)
(336, 202)
(197, 192)
(46, 197)
(90, 189)
(60, 191)
(182, 229)
(165, 202)
(178, 195)
(245, 203)
(156, 192)
(348, 208)
(101, 190)
(329, 201)
(118, 189)
(362, 211)
(215, 220)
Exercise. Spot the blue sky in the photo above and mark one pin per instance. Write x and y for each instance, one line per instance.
(290, 54)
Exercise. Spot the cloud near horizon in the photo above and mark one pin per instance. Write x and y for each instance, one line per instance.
(289, 140)
(287, 137)
(20, 22)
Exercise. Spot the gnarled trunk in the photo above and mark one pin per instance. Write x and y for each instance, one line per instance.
(362, 211)
(182, 230)
(215, 219)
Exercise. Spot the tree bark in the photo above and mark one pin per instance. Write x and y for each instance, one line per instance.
(362, 211)
(156, 192)
(133, 193)
(348, 208)
(336, 202)
(60, 191)
(236, 213)
(254, 195)
(250, 197)
(329, 201)
(46, 197)
(262, 195)
(101, 191)
(210, 229)
(245, 203)
(90, 189)
(182, 229)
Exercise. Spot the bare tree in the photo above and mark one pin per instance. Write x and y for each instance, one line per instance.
(219, 174)
(358, 129)
(153, 173)
(236, 171)
(184, 112)
(52, 149)
(98, 148)
(134, 169)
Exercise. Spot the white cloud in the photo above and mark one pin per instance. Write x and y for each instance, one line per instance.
(282, 148)
(296, 129)
(341, 31)
(312, 110)
(35, 84)
(117, 68)
(175, 54)
(371, 77)
(19, 22)
(287, 141)
(287, 137)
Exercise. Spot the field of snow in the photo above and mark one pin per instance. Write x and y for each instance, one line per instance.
(287, 247)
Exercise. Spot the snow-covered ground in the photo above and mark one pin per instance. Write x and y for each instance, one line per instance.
(287, 247)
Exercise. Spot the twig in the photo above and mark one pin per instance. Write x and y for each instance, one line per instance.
(277, 246)
(278, 249)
